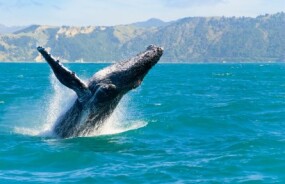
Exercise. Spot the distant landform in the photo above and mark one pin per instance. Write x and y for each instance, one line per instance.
(193, 39)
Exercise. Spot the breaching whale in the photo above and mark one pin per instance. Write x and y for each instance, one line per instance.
(97, 98)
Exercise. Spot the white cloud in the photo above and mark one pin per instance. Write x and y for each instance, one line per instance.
(110, 12)
(191, 3)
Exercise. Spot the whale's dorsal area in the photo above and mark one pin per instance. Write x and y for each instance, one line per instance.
(98, 98)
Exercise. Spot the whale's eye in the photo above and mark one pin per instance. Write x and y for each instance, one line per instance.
(137, 83)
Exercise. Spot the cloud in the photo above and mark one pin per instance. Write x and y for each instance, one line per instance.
(37, 3)
(190, 3)
(23, 3)
(56, 7)
(17, 4)
(112, 12)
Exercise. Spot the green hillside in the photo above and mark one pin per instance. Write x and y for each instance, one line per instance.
(196, 39)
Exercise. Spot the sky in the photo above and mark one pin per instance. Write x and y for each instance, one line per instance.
(114, 12)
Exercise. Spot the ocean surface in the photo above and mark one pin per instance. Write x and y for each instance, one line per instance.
(186, 123)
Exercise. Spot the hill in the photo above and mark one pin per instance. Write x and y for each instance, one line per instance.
(193, 39)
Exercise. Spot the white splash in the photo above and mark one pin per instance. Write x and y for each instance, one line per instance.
(60, 100)
(58, 103)
(118, 122)
(53, 105)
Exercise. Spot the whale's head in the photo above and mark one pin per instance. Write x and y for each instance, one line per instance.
(131, 73)
(124, 76)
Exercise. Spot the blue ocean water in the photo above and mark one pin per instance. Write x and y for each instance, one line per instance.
(187, 123)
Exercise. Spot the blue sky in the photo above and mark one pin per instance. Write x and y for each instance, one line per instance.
(113, 12)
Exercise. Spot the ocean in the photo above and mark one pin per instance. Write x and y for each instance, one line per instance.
(186, 123)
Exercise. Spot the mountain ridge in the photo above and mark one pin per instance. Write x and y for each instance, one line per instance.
(190, 39)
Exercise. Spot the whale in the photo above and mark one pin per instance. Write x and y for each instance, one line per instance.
(97, 98)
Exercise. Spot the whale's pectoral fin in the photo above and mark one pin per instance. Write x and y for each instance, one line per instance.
(65, 76)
